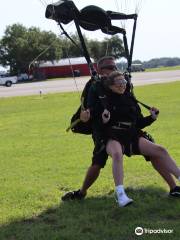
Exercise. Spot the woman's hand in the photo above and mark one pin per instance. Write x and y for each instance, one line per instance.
(106, 116)
(85, 115)
(154, 113)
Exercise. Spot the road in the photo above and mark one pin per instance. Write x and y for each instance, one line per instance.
(69, 84)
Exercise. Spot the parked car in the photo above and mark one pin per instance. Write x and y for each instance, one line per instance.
(24, 77)
(7, 80)
(137, 67)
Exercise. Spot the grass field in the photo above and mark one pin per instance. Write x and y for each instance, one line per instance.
(39, 162)
(162, 69)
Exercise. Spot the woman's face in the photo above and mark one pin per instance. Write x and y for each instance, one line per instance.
(119, 85)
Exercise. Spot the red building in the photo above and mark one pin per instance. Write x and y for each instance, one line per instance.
(64, 68)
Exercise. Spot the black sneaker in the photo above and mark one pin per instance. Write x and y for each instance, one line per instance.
(74, 195)
(175, 192)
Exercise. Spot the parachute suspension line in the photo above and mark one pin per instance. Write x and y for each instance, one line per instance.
(138, 5)
(84, 48)
(43, 2)
(132, 45)
(67, 54)
(72, 71)
(67, 35)
(118, 10)
(126, 46)
(127, 7)
(36, 58)
(123, 23)
(117, 5)
(107, 46)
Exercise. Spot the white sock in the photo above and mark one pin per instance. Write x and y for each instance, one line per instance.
(122, 198)
(120, 189)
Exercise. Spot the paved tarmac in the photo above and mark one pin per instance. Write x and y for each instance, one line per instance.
(77, 84)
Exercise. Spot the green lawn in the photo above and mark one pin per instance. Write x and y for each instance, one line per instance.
(162, 69)
(39, 162)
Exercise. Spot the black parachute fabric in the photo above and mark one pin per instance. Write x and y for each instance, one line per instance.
(90, 18)
(62, 11)
(93, 18)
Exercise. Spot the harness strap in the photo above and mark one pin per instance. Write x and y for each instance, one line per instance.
(146, 106)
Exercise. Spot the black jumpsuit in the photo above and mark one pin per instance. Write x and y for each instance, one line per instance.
(125, 123)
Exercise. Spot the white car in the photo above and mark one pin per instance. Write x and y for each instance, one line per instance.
(7, 80)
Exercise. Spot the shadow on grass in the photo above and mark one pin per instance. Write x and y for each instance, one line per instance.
(99, 218)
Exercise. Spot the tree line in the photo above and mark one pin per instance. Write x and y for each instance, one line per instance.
(161, 62)
(21, 47)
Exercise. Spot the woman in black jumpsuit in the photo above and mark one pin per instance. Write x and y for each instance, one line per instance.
(121, 123)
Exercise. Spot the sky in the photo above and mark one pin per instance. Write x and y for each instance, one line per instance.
(157, 35)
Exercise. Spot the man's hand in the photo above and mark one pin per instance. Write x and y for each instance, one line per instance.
(106, 116)
(85, 115)
(154, 113)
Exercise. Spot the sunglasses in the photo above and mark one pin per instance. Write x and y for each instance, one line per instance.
(120, 82)
(109, 68)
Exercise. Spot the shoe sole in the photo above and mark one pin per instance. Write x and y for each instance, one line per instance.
(127, 204)
(175, 195)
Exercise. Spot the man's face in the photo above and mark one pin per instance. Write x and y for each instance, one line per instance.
(107, 70)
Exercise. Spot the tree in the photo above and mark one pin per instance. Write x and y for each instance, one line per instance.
(71, 50)
(96, 48)
(109, 46)
(113, 47)
(20, 46)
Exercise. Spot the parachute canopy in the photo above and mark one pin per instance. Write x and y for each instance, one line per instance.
(90, 18)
